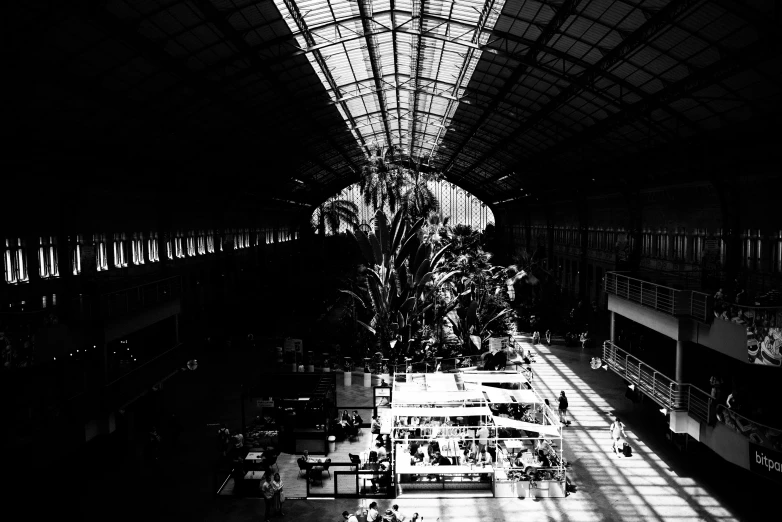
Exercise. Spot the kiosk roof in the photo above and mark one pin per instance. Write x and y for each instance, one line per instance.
(461, 411)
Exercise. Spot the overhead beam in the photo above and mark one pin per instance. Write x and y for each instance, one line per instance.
(219, 20)
(366, 24)
(748, 57)
(638, 38)
(527, 60)
(416, 72)
(298, 19)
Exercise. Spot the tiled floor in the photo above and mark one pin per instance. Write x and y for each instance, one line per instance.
(656, 484)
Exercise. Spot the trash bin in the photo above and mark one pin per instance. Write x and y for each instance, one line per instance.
(332, 443)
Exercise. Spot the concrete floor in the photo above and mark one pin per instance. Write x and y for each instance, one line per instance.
(658, 483)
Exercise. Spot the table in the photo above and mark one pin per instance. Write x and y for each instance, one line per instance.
(255, 457)
(254, 475)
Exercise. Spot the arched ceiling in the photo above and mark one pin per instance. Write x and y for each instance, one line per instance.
(287, 96)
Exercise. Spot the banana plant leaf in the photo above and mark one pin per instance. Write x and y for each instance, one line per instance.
(364, 246)
(446, 277)
(360, 301)
(439, 255)
(425, 279)
(423, 269)
(472, 315)
(365, 325)
(424, 252)
(495, 318)
(398, 229)
(382, 232)
(410, 245)
(376, 250)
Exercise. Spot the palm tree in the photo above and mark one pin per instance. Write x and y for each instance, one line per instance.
(381, 181)
(418, 200)
(336, 212)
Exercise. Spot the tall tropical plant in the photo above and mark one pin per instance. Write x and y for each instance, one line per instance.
(418, 200)
(382, 181)
(399, 279)
(336, 212)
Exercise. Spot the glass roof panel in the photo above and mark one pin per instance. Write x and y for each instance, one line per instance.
(423, 53)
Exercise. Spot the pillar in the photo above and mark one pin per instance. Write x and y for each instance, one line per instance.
(613, 327)
(679, 361)
(176, 328)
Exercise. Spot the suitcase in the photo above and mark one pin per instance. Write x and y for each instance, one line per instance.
(627, 451)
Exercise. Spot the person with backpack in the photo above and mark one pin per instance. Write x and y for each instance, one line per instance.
(563, 405)
(617, 429)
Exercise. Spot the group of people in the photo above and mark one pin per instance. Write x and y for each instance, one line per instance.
(347, 426)
(273, 492)
(392, 514)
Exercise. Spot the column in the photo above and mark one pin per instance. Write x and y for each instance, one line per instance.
(613, 327)
(679, 361)
(176, 327)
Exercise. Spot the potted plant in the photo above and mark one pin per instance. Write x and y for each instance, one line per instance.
(348, 369)
(367, 373)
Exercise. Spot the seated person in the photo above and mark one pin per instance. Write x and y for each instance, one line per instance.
(375, 427)
(381, 450)
(268, 453)
(383, 477)
(484, 457)
(356, 419)
(440, 460)
(413, 447)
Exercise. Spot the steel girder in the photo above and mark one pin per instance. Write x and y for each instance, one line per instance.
(529, 57)
(366, 23)
(635, 40)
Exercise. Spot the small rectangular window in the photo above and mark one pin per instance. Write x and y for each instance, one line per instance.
(76, 242)
(47, 257)
(137, 248)
(169, 247)
(152, 248)
(101, 255)
(120, 254)
(191, 244)
(210, 242)
(15, 261)
(179, 250)
(201, 243)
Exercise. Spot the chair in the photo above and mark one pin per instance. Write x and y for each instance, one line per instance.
(302, 466)
(355, 460)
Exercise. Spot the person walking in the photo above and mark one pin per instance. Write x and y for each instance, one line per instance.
(225, 438)
(267, 491)
(617, 429)
(279, 494)
(548, 337)
(563, 405)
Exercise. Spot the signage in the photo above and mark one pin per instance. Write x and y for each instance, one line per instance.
(298, 346)
(497, 344)
(266, 402)
(288, 346)
(765, 462)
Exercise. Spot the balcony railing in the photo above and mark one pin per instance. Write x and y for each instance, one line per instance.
(128, 300)
(662, 389)
(661, 298)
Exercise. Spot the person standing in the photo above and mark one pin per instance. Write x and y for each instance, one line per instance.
(373, 515)
(483, 436)
(225, 438)
(548, 337)
(617, 432)
(279, 494)
(400, 517)
(563, 405)
(267, 490)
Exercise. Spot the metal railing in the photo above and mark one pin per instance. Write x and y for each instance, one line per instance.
(661, 298)
(446, 364)
(659, 387)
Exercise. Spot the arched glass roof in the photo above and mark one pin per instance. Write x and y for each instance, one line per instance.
(290, 94)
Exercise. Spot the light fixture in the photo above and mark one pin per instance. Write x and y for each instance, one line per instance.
(664, 411)
(192, 364)
(631, 387)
